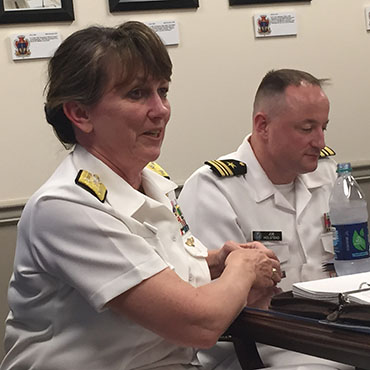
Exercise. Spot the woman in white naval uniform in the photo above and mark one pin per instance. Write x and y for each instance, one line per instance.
(107, 274)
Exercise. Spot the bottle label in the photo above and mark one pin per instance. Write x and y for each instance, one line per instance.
(351, 241)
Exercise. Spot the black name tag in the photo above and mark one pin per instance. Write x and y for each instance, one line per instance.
(267, 236)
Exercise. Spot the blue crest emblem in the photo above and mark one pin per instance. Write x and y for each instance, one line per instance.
(22, 46)
(263, 25)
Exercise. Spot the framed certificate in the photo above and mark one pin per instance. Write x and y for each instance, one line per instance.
(242, 2)
(127, 5)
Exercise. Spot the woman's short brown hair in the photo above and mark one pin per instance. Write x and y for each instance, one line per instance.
(89, 59)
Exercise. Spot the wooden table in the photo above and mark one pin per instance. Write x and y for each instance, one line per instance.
(297, 334)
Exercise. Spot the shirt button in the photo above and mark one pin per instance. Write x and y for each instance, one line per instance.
(174, 238)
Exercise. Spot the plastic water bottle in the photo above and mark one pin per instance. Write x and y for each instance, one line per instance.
(349, 217)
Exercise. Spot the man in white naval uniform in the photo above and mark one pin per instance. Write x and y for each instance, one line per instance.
(274, 188)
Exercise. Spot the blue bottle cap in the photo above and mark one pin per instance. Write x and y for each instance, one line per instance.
(344, 167)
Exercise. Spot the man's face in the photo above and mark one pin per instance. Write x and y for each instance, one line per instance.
(295, 133)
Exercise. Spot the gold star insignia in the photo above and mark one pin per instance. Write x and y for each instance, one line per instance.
(227, 167)
(190, 242)
(91, 183)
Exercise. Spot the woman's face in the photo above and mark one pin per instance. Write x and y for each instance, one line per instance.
(129, 122)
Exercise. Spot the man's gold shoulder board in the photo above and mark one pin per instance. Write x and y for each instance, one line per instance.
(158, 169)
(92, 184)
(326, 152)
(227, 167)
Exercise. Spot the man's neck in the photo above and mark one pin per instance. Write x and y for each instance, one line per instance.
(275, 175)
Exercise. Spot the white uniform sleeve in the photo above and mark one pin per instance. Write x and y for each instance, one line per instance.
(208, 211)
(89, 249)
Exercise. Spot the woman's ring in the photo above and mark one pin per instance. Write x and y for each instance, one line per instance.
(273, 271)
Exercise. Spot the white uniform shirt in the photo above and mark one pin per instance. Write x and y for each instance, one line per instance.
(74, 254)
(218, 209)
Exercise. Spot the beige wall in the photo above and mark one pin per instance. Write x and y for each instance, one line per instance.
(217, 67)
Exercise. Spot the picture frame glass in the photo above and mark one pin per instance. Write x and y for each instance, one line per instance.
(17, 5)
(27, 11)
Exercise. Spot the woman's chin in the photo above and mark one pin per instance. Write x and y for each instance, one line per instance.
(152, 156)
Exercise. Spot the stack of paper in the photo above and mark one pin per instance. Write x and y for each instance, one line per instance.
(329, 289)
(361, 297)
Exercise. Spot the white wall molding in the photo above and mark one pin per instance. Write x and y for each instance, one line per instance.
(10, 213)
(361, 171)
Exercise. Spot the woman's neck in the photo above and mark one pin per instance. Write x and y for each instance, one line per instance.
(131, 172)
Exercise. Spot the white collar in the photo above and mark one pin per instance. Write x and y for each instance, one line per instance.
(121, 195)
(260, 182)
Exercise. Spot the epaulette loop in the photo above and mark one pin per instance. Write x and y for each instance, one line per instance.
(227, 167)
(326, 152)
(91, 183)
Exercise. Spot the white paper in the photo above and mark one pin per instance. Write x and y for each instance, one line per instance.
(328, 289)
(168, 31)
(275, 24)
(34, 45)
(361, 297)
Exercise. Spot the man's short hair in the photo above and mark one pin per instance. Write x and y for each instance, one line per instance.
(275, 82)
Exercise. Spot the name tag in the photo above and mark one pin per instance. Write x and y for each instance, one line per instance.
(267, 236)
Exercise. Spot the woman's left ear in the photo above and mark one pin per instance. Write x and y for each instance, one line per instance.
(78, 115)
